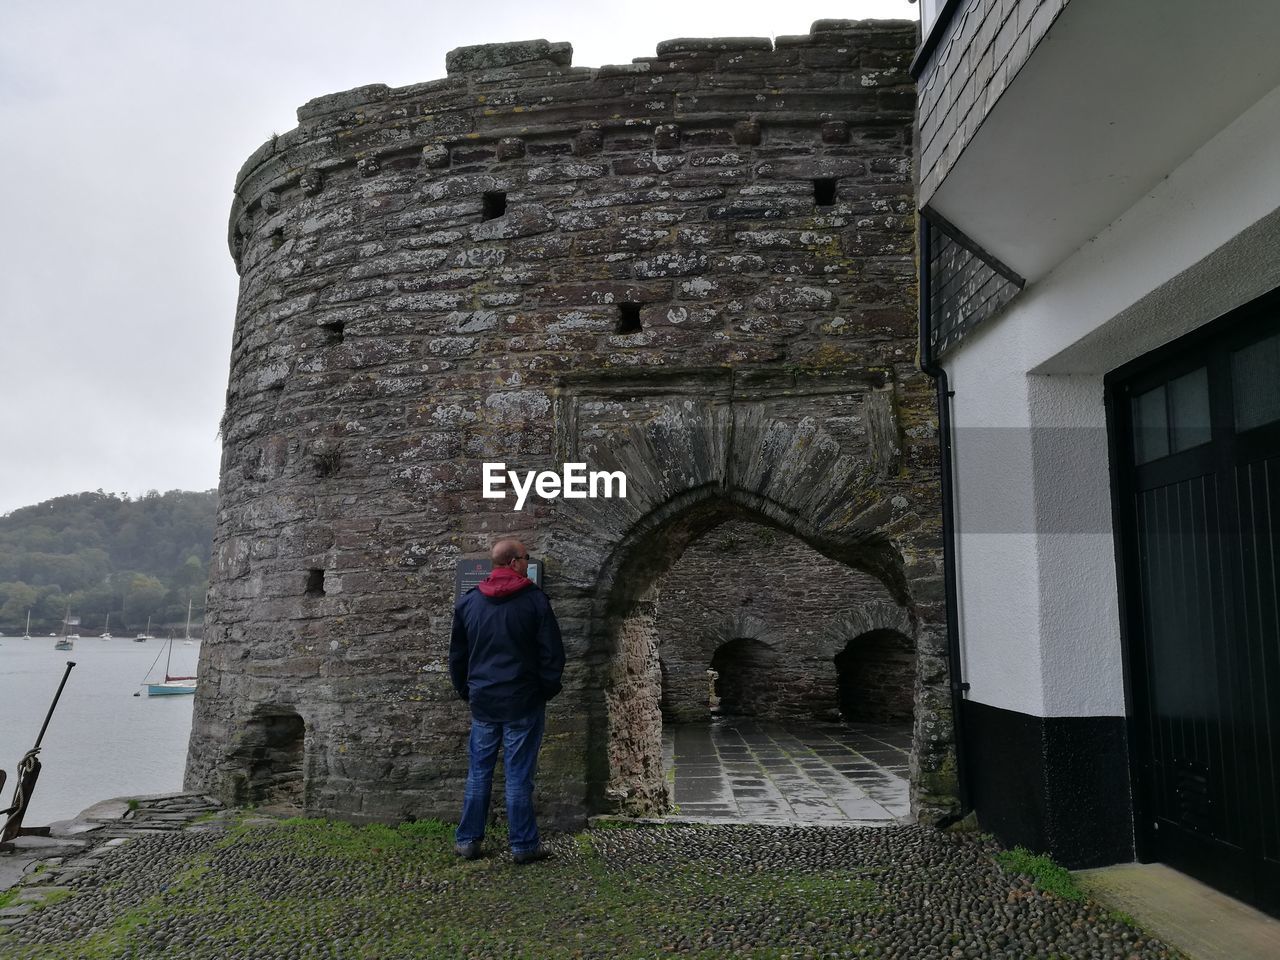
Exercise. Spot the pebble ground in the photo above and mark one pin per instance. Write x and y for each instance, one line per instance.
(287, 890)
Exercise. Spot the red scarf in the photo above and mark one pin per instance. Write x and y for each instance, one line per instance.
(502, 582)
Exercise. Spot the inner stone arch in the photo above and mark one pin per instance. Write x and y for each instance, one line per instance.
(757, 605)
(744, 611)
(744, 671)
(875, 677)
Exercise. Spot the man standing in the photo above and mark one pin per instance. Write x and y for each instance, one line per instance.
(505, 660)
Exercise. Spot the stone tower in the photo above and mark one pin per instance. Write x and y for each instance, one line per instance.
(696, 269)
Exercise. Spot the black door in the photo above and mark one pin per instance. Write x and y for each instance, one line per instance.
(1198, 456)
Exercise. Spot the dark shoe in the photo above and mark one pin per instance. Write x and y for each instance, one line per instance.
(468, 851)
(531, 856)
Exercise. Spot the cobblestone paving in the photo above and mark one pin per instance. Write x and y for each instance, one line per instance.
(748, 771)
(85, 843)
(257, 889)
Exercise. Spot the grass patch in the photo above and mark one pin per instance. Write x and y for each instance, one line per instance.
(1047, 875)
(133, 805)
(10, 897)
(52, 897)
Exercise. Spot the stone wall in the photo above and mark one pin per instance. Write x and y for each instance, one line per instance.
(696, 268)
(745, 581)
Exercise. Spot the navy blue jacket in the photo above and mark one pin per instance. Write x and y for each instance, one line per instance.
(505, 656)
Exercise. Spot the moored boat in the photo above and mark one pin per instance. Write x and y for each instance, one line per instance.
(171, 685)
(177, 685)
(65, 642)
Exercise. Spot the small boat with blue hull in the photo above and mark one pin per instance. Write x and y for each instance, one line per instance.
(171, 686)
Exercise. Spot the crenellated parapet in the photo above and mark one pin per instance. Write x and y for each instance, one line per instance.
(525, 101)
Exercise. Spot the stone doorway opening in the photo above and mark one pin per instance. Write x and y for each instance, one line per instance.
(271, 757)
(729, 660)
(875, 678)
(742, 675)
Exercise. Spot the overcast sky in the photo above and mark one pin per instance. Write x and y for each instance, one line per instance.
(122, 126)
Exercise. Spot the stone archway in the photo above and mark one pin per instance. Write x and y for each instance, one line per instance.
(875, 676)
(743, 584)
(688, 675)
(875, 660)
(628, 729)
(745, 671)
(698, 454)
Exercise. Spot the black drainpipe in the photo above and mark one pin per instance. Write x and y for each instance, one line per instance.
(930, 367)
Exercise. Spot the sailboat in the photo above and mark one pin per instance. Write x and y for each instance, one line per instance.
(145, 635)
(186, 640)
(66, 641)
(106, 629)
(171, 685)
(27, 635)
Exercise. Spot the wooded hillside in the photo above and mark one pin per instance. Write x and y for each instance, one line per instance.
(101, 552)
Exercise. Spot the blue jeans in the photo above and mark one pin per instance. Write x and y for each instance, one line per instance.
(520, 740)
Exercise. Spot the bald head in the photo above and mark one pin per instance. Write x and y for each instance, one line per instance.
(506, 551)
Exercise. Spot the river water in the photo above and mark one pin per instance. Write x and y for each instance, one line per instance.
(103, 741)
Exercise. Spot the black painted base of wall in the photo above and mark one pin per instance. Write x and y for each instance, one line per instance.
(1056, 785)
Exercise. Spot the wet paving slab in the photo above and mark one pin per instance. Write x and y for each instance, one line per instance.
(742, 770)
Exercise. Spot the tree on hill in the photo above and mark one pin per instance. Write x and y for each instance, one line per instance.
(101, 553)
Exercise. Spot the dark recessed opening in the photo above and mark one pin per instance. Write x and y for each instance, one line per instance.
(271, 760)
(332, 332)
(744, 682)
(628, 318)
(824, 191)
(277, 239)
(327, 463)
(875, 678)
(315, 583)
(495, 204)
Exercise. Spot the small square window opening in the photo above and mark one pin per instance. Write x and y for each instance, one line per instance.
(315, 583)
(628, 318)
(824, 191)
(332, 332)
(495, 205)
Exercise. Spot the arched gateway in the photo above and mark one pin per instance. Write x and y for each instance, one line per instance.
(696, 270)
(783, 469)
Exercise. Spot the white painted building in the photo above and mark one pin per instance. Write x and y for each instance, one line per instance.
(1100, 190)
